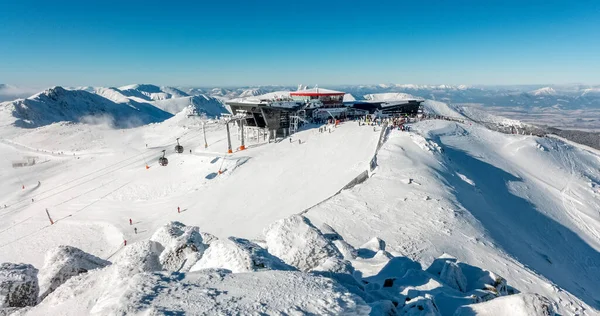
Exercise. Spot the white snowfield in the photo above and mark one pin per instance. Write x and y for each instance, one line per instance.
(518, 213)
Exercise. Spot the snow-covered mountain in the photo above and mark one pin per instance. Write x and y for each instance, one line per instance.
(252, 92)
(545, 91)
(390, 96)
(201, 104)
(58, 104)
(150, 92)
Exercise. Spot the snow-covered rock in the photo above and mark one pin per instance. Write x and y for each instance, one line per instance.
(395, 268)
(298, 243)
(371, 247)
(348, 252)
(206, 292)
(383, 308)
(183, 246)
(512, 305)
(62, 263)
(208, 238)
(335, 265)
(467, 278)
(452, 275)
(421, 306)
(238, 255)
(18, 285)
(141, 256)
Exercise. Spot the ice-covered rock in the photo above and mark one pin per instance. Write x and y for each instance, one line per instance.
(62, 263)
(183, 246)
(142, 256)
(452, 275)
(238, 255)
(511, 305)
(421, 306)
(298, 243)
(18, 285)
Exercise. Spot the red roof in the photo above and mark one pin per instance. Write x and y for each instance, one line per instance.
(315, 92)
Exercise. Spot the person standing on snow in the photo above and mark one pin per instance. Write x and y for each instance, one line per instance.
(135, 230)
(130, 222)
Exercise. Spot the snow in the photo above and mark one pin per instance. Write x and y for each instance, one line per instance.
(298, 243)
(183, 246)
(452, 275)
(422, 306)
(316, 90)
(514, 305)
(57, 104)
(485, 220)
(390, 96)
(516, 218)
(205, 292)
(543, 91)
(200, 104)
(238, 255)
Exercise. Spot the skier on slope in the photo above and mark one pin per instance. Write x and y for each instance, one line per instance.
(135, 230)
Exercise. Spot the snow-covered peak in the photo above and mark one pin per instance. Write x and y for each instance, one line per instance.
(390, 96)
(252, 92)
(543, 91)
(58, 104)
(151, 92)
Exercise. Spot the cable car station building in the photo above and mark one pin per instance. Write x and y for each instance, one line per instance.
(281, 112)
(328, 98)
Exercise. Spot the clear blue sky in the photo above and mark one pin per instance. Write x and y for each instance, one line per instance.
(112, 43)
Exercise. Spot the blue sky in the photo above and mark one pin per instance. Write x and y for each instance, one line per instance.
(111, 43)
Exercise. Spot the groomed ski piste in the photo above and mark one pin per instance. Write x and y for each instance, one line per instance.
(453, 219)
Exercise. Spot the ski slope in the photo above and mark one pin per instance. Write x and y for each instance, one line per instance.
(520, 206)
(524, 207)
(96, 177)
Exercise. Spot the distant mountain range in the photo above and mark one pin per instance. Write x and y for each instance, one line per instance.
(123, 107)
(150, 103)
